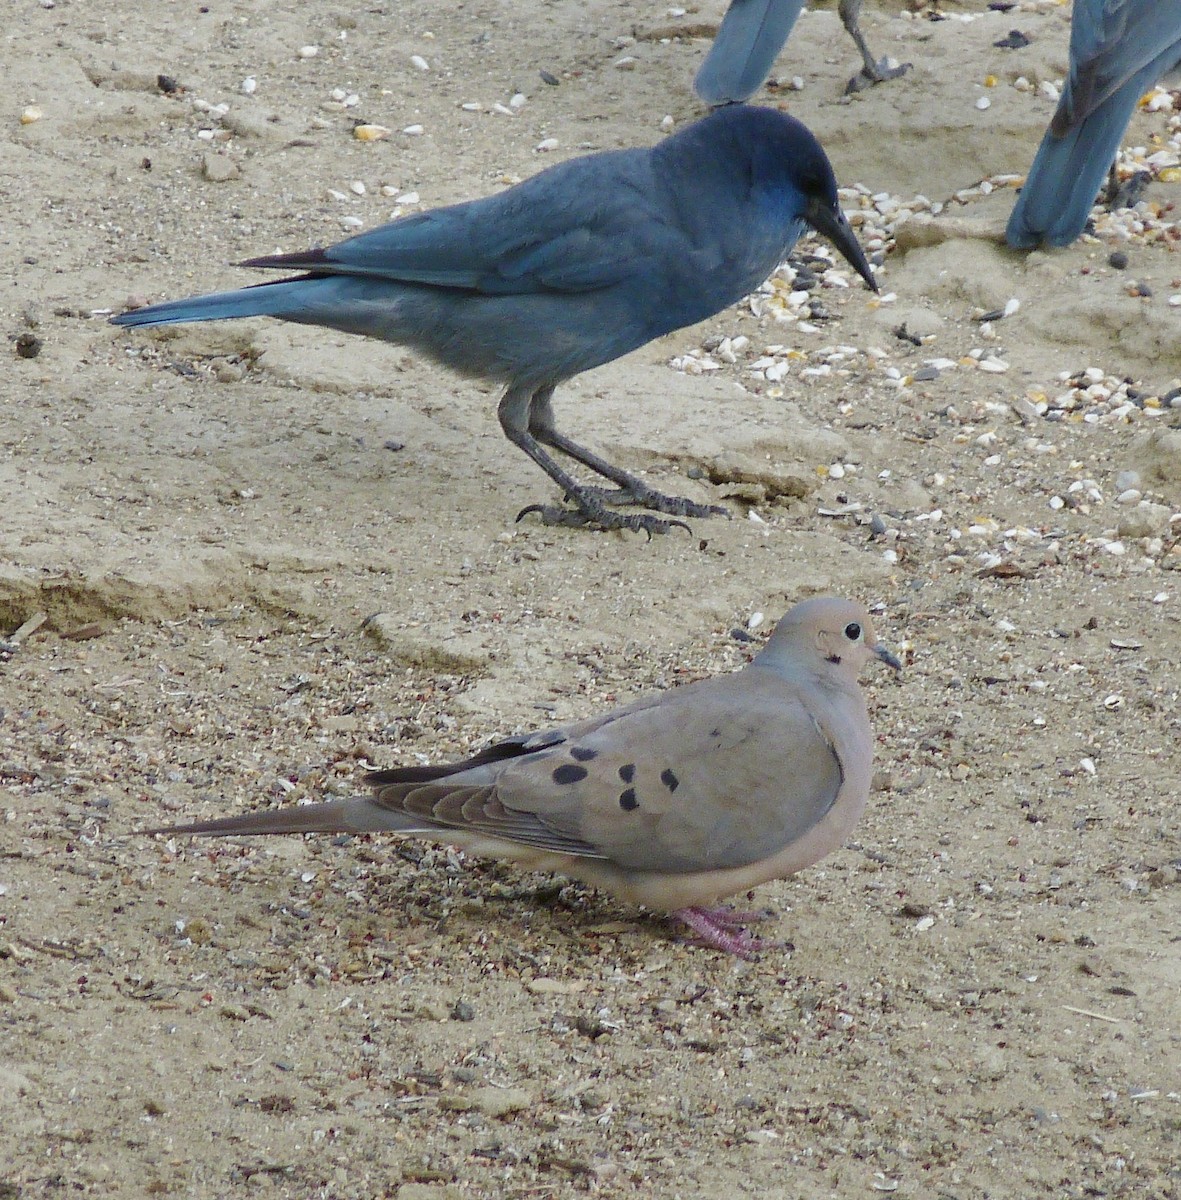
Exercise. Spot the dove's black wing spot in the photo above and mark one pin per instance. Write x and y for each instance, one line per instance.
(583, 753)
(569, 773)
(627, 772)
(669, 780)
(627, 800)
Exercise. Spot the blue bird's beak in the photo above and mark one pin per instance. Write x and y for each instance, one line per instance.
(831, 222)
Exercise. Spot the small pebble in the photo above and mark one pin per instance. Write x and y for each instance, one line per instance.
(27, 345)
(1118, 260)
(217, 168)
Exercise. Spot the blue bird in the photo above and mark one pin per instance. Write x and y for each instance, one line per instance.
(749, 39)
(1118, 50)
(570, 269)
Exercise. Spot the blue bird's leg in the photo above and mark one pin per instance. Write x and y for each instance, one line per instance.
(590, 509)
(1123, 193)
(873, 71)
(629, 490)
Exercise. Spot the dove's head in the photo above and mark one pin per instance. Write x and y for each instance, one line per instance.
(826, 630)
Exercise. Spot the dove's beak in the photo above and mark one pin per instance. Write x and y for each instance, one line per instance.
(889, 659)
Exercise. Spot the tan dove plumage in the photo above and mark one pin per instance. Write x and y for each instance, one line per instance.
(672, 802)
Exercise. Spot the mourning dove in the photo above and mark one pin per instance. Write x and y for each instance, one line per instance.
(672, 802)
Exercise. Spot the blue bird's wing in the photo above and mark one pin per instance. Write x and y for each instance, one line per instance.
(1110, 42)
(576, 227)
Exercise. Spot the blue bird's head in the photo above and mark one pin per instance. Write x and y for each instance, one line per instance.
(788, 165)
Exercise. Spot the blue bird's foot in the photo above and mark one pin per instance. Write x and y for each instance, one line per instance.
(865, 78)
(595, 516)
(642, 496)
(1124, 193)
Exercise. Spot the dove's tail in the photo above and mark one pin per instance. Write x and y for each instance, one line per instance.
(1068, 171)
(357, 814)
(744, 49)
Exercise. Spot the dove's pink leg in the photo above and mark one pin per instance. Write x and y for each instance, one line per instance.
(720, 928)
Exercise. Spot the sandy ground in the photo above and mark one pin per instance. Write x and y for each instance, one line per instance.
(978, 996)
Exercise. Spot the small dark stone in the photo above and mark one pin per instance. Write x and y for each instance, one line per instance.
(583, 753)
(926, 375)
(549, 77)
(569, 773)
(167, 85)
(740, 635)
(628, 801)
(627, 772)
(1015, 40)
(669, 780)
(391, 444)
(591, 1027)
(1118, 259)
(28, 345)
(463, 1011)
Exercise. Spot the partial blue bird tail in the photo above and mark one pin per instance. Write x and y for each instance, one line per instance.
(1069, 170)
(276, 299)
(747, 42)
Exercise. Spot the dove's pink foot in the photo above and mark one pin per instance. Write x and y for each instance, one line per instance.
(722, 929)
(735, 918)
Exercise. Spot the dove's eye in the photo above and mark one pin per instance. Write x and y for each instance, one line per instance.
(853, 631)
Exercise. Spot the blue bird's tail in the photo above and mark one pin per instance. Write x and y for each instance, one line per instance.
(1069, 170)
(263, 300)
(747, 42)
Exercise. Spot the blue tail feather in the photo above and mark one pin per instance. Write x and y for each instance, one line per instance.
(263, 300)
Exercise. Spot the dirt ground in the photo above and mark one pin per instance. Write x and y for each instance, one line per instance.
(978, 996)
